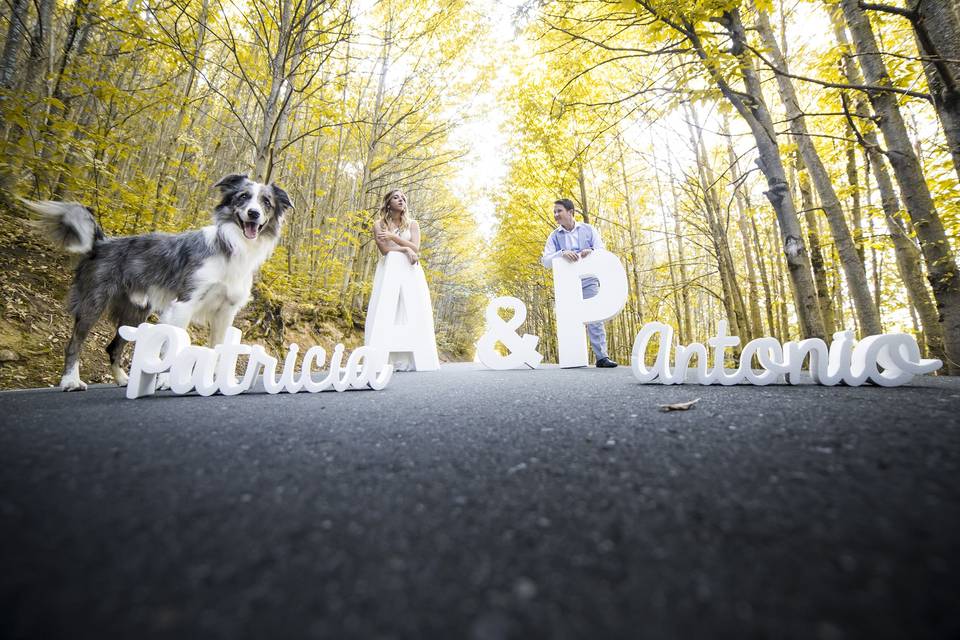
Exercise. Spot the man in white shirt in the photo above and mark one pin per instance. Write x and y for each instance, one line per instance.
(573, 241)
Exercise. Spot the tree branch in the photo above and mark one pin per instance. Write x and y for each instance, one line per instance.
(886, 8)
(866, 88)
(853, 126)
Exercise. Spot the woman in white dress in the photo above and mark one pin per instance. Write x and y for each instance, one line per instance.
(394, 231)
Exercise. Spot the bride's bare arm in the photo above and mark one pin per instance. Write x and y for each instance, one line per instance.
(387, 242)
(383, 242)
(382, 235)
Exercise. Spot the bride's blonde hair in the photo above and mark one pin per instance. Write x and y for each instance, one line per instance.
(385, 212)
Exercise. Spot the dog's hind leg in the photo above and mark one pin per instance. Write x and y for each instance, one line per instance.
(115, 351)
(124, 314)
(71, 355)
(86, 306)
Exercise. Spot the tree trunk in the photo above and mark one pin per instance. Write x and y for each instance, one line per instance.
(666, 238)
(764, 278)
(628, 200)
(850, 260)
(711, 209)
(856, 213)
(353, 263)
(781, 290)
(754, 111)
(838, 296)
(725, 258)
(16, 33)
(169, 147)
(282, 68)
(295, 60)
(909, 258)
(816, 255)
(41, 41)
(582, 184)
(74, 30)
(941, 263)
(78, 33)
(937, 31)
(876, 261)
(686, 329)
(756, 324)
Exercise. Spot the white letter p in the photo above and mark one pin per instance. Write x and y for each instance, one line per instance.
(573, 312)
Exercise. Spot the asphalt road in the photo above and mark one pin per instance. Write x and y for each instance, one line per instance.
(483, 505)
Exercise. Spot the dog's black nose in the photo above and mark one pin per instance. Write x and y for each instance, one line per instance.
(253, 214)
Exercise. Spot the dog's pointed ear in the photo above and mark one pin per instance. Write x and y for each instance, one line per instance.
(231, 182)
(283, 200)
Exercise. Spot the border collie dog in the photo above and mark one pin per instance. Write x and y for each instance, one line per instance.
(201, 276)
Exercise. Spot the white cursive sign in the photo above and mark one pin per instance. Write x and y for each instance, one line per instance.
(166, 349)
(889, 360)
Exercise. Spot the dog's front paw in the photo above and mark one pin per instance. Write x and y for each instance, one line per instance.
(163, 381)
(69, 383)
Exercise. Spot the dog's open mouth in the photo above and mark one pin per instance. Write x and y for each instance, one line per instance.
(250, 229)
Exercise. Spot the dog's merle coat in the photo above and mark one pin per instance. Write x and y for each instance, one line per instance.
(200, 276)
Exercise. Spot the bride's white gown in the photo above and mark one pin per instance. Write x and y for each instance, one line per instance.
(401, 361)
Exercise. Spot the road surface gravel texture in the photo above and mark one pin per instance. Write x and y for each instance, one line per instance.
(469, 503)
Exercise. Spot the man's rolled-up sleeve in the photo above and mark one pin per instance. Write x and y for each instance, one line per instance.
(597, 240)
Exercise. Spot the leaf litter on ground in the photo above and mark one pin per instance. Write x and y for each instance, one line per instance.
(679, 406)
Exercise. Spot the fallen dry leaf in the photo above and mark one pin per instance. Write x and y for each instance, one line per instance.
(679, 406)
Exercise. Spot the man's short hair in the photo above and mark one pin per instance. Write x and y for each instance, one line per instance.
(566, 203)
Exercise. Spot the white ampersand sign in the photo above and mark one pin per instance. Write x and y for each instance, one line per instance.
(523, 349)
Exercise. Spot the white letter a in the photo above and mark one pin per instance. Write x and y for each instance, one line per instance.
(400, 316)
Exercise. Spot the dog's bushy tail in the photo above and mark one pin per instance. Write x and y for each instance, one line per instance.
(70, 226)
